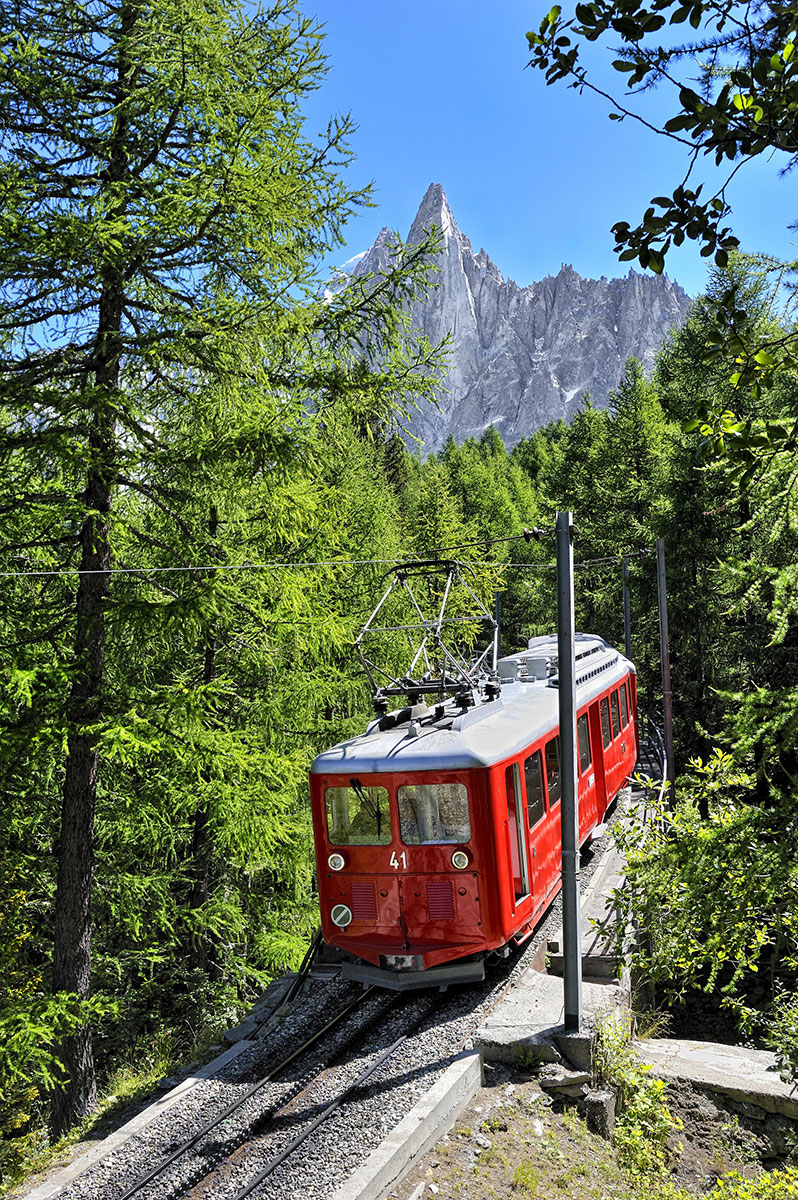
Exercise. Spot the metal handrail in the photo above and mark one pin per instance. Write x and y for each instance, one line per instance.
(655, 738)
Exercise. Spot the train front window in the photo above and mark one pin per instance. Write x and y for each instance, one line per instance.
(583, 737)
(433, 814)
(616, 716)
(624, 706)
(358, 815)
(553, 770)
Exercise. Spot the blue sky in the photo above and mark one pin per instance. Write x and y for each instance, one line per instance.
(535, 174)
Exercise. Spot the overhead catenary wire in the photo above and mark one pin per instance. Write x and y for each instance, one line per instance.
(141, 572)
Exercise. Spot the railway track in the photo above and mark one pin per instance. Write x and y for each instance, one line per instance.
(283, 1133)
(265, 1125)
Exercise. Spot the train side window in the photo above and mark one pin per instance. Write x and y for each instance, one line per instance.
(624, 705)
(533, 775)
(606, 729)
(553, 770)
(433, 813)
(616, 716)
(583, 737)
(358, 815)
(515, 821)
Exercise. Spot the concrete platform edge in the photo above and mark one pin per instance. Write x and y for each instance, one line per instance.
(429, 1119)
(96, 1153)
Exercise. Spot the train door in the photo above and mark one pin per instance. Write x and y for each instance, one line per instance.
(588, 813)
(552, 832)
(607, 756)
(628, 731)
(516, 825)
(594, 720)
(614, 752)
(535, 819)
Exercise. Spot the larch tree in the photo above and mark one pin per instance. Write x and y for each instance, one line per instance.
(163, 214)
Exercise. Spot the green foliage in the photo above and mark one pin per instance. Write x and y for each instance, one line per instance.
(708, 921)
(770, 1185)
(32, 1021)
(526, 1179)
(782, 1033)
(745, 104)
(644, 1127)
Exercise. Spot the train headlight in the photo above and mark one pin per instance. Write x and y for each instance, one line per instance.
(336, 862)
(341, 915)
(460, 860)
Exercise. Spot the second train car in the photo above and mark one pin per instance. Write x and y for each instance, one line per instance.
(437, 831)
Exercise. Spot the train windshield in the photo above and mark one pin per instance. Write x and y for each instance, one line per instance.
(358, 815)
(433, 813)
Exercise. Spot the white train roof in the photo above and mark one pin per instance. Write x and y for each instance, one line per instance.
(490, 732)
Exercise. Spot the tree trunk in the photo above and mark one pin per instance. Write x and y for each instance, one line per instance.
(72, 946)
(202, 951)
(72, 949)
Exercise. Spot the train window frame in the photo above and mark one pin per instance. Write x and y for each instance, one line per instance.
(518, 838)
(585, 763)
(606, 726)
(360, 800)
(555, 742)
(616, 714)
(426, 810)
(624, 705)
(541, 811)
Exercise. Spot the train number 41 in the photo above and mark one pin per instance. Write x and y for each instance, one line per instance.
(401, 861)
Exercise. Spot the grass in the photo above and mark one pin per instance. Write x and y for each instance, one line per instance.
(129, 1085)
(540, 1153)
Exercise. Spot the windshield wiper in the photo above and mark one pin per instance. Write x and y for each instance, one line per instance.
(372, 806)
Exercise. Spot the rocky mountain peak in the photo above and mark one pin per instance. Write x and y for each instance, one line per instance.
(434, 211)
(524, 356)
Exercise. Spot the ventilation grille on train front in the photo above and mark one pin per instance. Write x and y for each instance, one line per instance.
(364, 902)
(440, 900)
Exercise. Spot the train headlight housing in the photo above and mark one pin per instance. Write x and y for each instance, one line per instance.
(341, 915)
(336, 862)
(460, 860)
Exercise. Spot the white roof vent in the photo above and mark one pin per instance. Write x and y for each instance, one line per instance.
(522, 667)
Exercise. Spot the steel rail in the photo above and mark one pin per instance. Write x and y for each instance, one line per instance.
(327, 1112)
(296, 983)
(233, 1107)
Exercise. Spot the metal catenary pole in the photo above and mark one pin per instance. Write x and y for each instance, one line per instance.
(665, 659)
(627, 612)
(498, 625)
(569, 813)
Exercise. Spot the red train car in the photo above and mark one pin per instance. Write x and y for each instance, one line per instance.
(438, 830)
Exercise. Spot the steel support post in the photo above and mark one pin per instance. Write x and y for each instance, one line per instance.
(665, 659)
(569, 811)
(627, 612)
(498, 625)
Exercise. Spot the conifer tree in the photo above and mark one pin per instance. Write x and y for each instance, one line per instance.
(163, 211)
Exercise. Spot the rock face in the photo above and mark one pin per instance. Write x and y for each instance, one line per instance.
(524, 356)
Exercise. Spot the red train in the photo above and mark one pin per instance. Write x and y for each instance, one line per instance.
(438, 830)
